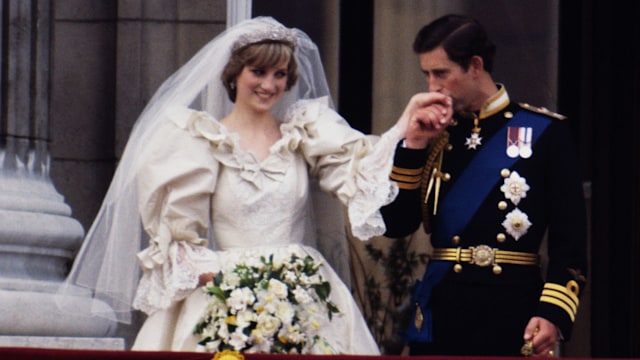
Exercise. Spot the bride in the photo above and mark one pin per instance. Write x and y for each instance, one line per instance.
(225, 167)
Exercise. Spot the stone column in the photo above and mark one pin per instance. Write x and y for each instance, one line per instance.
(38, 236)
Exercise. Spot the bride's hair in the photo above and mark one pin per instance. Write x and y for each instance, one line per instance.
(264, 54)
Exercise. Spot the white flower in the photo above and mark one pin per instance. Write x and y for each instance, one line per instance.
(278, 288)
(268, 325)
(239, 299)
(292, 334)
(231, 281)
(253, 298)
(298, 262)
(261, 342)
(245, 317)
(515, 187)
(285, 311)
(223, 329)
(313, 279)
(516, 223)
(290, 277)
(302, 295)
(238, 340)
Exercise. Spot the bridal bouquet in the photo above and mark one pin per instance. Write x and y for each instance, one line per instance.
(268, 308)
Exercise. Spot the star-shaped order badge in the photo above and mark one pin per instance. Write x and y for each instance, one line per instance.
(516, 223)
(473, 142)
(515, 187)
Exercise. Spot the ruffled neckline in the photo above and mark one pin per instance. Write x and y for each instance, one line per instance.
(225, 145)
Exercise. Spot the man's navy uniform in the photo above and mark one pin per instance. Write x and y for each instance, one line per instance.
(489, 190)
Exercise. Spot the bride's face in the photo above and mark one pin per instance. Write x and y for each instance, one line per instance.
(261, 88)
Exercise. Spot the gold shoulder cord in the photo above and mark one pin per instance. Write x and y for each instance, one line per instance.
(431, 178)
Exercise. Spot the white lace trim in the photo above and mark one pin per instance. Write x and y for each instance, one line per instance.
(375, 189)
(170, 268)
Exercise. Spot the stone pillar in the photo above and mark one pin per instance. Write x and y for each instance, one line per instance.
(38, 236)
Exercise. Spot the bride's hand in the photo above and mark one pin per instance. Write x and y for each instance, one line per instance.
(204, 278)
(425, 117)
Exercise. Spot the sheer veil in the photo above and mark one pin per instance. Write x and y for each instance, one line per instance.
(106, 266)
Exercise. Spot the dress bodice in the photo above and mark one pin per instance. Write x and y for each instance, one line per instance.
(276, 213)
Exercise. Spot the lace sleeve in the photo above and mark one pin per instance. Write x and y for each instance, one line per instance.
(352, 165)
(374, 187)
(174, 190)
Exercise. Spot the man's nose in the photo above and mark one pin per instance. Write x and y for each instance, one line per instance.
(433, 85)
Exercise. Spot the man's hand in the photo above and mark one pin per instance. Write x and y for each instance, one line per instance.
(425, 117)
(543, 335)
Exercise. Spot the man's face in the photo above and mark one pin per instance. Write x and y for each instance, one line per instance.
(447, 77)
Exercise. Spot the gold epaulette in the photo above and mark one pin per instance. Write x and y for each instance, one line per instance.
(431, 170)
(543, 111)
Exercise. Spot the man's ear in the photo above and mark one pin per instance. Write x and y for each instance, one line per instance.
(476, 64)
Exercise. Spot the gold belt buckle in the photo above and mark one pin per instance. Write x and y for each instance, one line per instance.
(482, 255)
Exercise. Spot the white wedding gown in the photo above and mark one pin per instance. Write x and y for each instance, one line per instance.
(198, 179)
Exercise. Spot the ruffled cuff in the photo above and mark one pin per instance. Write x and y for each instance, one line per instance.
(375, 189)
(171, 272)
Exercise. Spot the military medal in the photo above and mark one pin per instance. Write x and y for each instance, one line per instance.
(519, 142)
(516, 223)
(474, 140)
(525, 145)
(512, 142)
(514, 188)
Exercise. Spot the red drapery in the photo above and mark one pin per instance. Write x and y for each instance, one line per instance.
(11, 353)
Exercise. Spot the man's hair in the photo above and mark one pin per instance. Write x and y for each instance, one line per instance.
(461, 37)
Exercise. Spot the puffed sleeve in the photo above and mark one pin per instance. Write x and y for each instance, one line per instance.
(174, 190)
(353, 166)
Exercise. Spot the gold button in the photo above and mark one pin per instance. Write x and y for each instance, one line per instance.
(501, 237)
(508, 114)
(446, 177)
(457, 268)
(502, 205)
(449, 147)
(573, 286)
(456, 239)
(505, 173)
(497, 269)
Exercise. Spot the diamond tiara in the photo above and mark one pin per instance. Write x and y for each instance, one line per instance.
(273, 33)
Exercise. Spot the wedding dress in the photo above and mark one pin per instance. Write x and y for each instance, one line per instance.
(255, 208)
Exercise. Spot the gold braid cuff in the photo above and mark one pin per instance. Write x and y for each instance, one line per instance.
(407, 179)
(565, 297)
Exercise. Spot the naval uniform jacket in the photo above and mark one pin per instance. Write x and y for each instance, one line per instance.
(475, 310)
